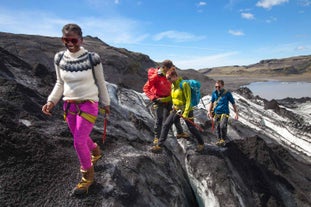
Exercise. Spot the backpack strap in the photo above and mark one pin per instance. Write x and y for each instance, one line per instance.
(61, 55)
(216, 102)
(92, 65)
(59, 58)
(181, 84)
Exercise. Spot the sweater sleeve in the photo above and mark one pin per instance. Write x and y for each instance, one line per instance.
(100, 81)
(58, 89)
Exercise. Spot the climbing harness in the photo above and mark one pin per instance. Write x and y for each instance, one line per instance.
(218, 118)
(89, 117)
(221, 116)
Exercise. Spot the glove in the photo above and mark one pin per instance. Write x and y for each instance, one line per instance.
(179, 112)
(156, 100)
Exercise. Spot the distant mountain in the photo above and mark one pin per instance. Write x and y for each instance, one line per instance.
(287, 69)
(122, 67)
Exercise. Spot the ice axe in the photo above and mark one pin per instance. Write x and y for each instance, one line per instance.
(103, 111)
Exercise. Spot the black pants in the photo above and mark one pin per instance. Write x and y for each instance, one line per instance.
(221, 123)
(161, 112)
(171, 119)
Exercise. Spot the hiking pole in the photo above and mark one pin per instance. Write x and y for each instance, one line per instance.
(203, 103)
(105, 128)
(103, 111)
(190, 121)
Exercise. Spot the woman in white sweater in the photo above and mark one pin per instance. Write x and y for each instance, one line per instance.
(81, 83)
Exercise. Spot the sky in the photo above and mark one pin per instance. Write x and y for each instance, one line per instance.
(193, 34)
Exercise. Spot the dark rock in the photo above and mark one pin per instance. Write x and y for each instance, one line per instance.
(273, 104)
(39, 167)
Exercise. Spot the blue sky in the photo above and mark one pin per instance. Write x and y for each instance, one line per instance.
(193, 34)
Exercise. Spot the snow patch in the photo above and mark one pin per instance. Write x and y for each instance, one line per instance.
(25, 122)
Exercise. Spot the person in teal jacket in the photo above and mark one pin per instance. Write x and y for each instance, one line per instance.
(181, 99)
(219, 111)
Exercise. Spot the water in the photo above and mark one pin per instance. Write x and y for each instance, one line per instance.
(278, 90)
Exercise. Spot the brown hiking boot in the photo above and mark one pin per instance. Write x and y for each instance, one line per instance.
(182, 135)
(96, 154)
(221, 142)
(156, 149)
(86, 181)
(200, 148)
(155, 141)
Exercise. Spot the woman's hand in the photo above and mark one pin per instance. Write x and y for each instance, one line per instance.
(105, 110)
(47, 108)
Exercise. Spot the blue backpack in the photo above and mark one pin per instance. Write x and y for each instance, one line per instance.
(195, 91)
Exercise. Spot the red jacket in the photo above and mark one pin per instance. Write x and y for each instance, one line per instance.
(157, 85)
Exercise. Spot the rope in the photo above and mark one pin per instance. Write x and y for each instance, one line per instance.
(191, 122)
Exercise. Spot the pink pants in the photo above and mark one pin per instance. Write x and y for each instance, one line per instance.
(81, 129)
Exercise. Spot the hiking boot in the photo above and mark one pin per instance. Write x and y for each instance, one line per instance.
(86, 181)
(221, 142)
(155, 141)
(200, 148)
(182, 135)
(156, 149)
(96, 154)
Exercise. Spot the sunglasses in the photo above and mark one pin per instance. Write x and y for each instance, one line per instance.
(72, 40)
(217, 86)
(169, 78)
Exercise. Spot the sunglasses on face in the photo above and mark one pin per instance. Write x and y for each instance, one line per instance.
(169, 78)
(217, 86)
(72, 40)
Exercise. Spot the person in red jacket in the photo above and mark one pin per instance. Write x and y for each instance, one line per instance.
(158, 88)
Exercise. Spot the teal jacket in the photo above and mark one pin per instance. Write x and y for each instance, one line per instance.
(222, 106)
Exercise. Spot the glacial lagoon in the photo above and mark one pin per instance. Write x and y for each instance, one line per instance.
(279, 90)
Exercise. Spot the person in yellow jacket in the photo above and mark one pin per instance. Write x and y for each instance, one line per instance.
(181, 99)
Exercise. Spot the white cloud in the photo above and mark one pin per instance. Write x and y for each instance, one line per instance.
(301, 48)
(221, 59)
(268, 4)
(271, 19)
(236, 32)
(284, 50)
(202, 3)
(31, 22)
(247, 15)
(112, 31)
(305, 3)
(177, 36)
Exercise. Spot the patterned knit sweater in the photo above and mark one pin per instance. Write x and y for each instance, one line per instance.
(75, 78)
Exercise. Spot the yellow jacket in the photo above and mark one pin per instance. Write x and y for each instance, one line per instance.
(181, 98)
